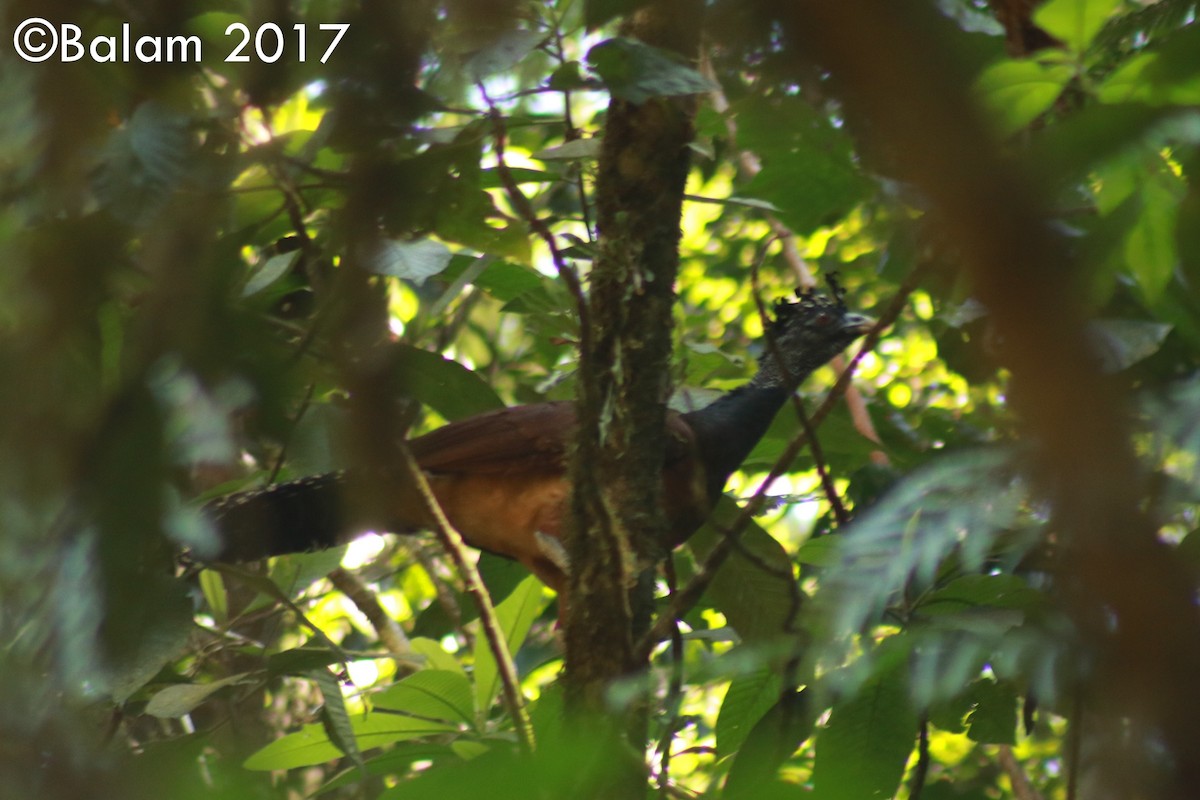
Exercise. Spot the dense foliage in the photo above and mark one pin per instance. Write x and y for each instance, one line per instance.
(976, 580)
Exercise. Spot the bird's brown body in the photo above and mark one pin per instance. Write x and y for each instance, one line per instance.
(500, 477)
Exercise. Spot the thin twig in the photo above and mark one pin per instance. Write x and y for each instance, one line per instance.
(366, 601)
(453, 542)
(1022, 788)
(295, 423)
(674, 698)
(921, 770)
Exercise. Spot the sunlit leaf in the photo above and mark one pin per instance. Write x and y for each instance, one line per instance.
(311, 745)
(1074, 22)
(1016, 92)
(430, 693)
(414, 261)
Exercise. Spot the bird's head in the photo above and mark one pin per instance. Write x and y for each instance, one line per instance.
(806, 333)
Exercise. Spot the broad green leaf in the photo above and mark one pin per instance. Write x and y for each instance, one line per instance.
(1121, 343)
(144, 161)
(1074, 22)
(515, 616)
(757, 603)
(994, 718)
(164, 631)
(747, 699)
(1016, 92)
(437, 656)
(771, 742)
(973, 592)
(1150, 247)
(396, 760)
(635, 71)
(809, 175)
(430, 693)
(446, 386)
(861, 752)
(960, 503)
(413, 261)
(503, 53)
(269, 271)
(1068, 152)
(178, 700)
(577, 150)
(311, 745)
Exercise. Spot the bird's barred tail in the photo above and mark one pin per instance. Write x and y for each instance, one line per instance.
(292, 517)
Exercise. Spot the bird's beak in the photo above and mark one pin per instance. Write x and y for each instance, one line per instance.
(857, 324)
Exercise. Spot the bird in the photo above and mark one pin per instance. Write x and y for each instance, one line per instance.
(501, 476)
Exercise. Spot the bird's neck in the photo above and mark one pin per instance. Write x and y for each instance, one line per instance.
(730, 427)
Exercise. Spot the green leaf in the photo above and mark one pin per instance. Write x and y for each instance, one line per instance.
(861, 752)
(178, 700)
(973, 592)
(144, 161)
(635, 71)
(437, 656)
(446, 386)
(503, 53)
(959, 503)
(994, 719)
(1016, 92)
(311, 745)
(1074, 22)
(212, 585)
(301, 660)
(756, 602)
(269, 271)
(1150, 246)
(413, 261)
(748, 698)
(515, 616)
(334, 716)
(430, 693)
(575, 150)
(771, 742)
(1121, 343)
(809, 172)
(1065, 153)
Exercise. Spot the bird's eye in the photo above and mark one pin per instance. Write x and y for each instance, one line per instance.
(822, 319)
